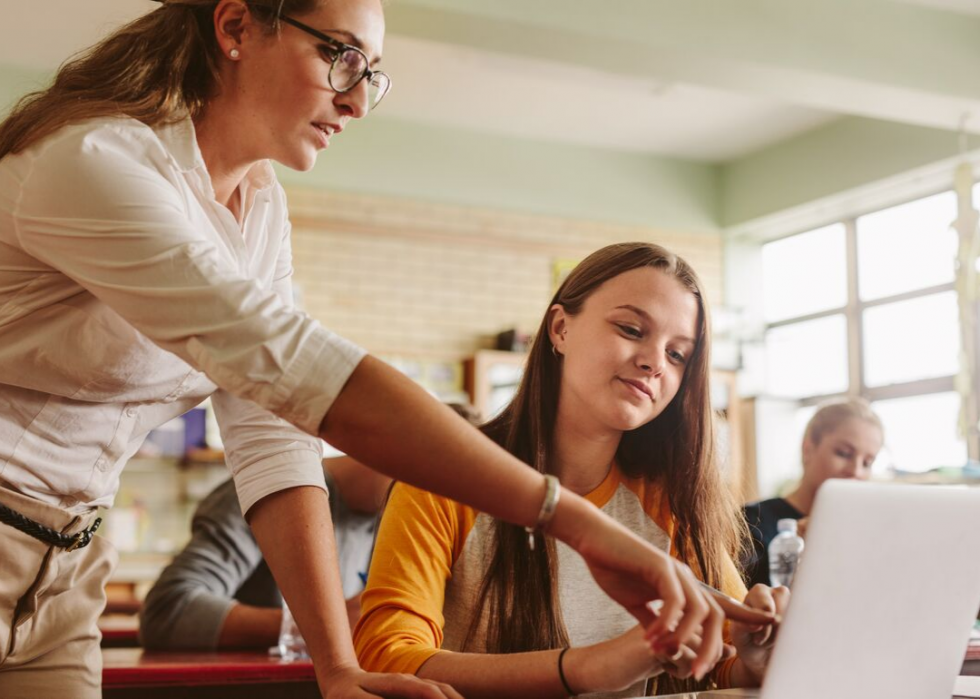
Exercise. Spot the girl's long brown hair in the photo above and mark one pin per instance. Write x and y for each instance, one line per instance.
(519, 597)
(157, 69)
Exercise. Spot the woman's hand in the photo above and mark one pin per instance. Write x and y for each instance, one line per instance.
(754, 643)
(636, 574)
(354, 683)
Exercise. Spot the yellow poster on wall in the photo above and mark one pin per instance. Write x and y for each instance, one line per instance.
(560, 270)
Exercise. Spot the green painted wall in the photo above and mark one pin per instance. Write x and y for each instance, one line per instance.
(829, 160)
(399, 158)
(404, 159)
(15, 82)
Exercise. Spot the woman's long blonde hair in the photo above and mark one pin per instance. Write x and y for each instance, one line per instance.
(676, 451)
(157, 69)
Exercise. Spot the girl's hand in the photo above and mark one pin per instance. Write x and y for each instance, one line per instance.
(754, 643)
(612, 665)
(621, 662)
(681, 663)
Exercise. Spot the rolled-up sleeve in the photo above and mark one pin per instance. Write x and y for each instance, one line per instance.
(111, 217)
(265, 453)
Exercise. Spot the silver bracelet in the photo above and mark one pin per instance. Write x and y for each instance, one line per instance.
(551, 494)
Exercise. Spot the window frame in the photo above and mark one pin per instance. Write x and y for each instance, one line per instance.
(853, 312)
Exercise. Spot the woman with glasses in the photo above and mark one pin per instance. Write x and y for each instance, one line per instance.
(145, 264)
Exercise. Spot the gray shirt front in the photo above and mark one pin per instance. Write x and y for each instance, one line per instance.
(222, 565)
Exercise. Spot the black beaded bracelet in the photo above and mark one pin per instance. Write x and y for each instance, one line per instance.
(561, 673)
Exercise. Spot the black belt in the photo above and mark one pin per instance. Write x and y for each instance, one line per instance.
(47, 535)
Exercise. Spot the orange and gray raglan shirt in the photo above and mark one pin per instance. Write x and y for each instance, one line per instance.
(431, 557)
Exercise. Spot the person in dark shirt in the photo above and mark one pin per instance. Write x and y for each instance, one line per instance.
(219, 593)
(841, 440)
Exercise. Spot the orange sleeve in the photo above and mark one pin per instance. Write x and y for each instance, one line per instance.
(722, 674)
(419, 538)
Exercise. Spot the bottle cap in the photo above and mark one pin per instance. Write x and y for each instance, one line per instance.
(786, 525)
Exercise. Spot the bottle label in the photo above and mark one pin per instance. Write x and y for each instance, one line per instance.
(782, 567)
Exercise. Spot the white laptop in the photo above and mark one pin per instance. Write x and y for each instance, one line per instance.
(885, 596)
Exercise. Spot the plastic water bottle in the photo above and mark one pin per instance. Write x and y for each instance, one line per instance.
(784, 553)
(291, 643)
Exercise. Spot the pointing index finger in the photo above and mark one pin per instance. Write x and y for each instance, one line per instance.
(736, 611)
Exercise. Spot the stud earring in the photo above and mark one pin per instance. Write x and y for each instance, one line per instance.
(234, 53)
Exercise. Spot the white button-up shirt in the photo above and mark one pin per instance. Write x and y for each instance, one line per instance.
(128, 294)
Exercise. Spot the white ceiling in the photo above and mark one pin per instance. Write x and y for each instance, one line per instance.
(464, 87)
(458, 85)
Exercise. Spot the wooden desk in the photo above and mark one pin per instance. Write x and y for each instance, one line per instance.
(132, 673)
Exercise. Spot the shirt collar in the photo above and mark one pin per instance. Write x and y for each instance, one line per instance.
(180, 140)
(603, 492)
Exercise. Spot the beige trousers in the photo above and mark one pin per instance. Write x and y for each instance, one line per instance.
(50, 601)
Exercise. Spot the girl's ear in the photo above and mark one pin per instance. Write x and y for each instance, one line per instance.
(556, 326)
(808, 448)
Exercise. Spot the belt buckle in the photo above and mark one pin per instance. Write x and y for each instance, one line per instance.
(80, 540)
(84, 537)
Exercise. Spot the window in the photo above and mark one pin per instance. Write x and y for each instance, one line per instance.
(867, 307)
(805, 273)
(907, 247)
(921, 432)
(807, 358)
(911, 340)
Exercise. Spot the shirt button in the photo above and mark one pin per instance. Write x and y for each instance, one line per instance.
(101, 464)
(69, 502)
(130, 412)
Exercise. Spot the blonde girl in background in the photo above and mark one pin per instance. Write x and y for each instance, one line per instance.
(841, 440)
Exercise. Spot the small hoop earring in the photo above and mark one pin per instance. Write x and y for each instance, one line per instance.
(234, 53)
(554, 351)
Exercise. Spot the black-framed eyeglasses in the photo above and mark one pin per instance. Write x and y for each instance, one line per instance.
(349, 66)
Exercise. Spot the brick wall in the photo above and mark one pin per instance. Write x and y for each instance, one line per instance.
(432, 281)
